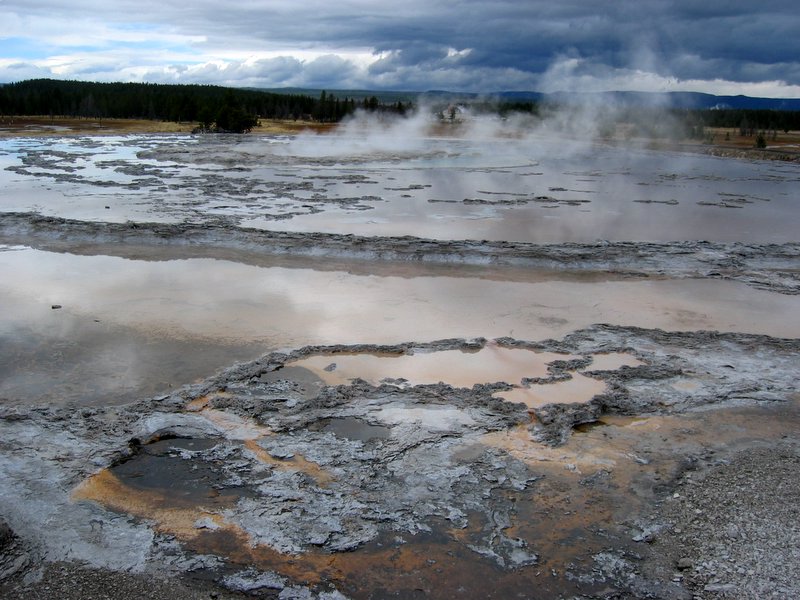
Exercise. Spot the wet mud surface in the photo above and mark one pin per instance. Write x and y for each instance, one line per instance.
(218, 379)
(264, 481)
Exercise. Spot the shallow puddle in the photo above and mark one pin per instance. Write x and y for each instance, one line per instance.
(163, 484)
(453, 367)
(577, 389)
(491, 364)
(164, 466)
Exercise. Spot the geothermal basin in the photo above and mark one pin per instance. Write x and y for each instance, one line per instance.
(372, 365)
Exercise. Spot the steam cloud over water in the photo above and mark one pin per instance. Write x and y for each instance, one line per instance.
(573, 126)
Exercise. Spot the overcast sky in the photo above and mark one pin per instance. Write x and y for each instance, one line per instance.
(747, 47)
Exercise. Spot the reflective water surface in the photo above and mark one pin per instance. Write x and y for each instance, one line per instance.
(525, 189)
(127, 327)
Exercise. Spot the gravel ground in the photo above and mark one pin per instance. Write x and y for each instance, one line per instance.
(734, 530)
(63, 581)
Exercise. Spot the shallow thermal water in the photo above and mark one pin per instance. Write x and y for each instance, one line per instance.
(527, 189)
(128, 327)
(491, 364)
(453, 367)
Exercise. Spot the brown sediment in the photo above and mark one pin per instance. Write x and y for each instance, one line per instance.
(638, 454)
(249, 432)
(170, 513)
(599, 488)
(198, 403)
(294, 463)
(436, 565)
(201, 402)
(233, 426)
(432, 562)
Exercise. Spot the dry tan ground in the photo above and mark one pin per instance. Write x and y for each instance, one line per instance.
(725, 141)
(729, 137)
(44, 125)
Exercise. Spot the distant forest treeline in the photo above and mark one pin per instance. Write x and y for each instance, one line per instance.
(239, 109)
(202, 103)
(747, 120)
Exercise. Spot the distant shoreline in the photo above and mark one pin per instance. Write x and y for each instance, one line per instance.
(785, 148)
(45, 126)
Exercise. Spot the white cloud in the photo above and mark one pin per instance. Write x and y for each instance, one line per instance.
(570, 74)
(463, 45)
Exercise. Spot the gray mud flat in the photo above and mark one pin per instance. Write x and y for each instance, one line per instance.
(772, 267)
(265, 482)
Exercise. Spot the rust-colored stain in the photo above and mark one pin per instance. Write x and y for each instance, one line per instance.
(295, 463)
(608, 473)
(248, 431)
(435, 566)
(168, 513)
(198, 403)
(416, 563)
(201, 402)
(601, 478)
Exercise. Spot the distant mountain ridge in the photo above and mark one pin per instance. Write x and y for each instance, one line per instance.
(696, 100)
(678, 100)
(689, 100)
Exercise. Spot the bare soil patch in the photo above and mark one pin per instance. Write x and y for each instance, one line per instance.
(41, 126)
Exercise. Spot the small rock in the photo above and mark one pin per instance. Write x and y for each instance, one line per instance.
(281, 455)
(206, 523)
(732, 532)
(6, 534)
(251, 580)
(684, 563)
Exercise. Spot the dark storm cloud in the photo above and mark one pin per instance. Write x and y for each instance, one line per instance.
(475, 45)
